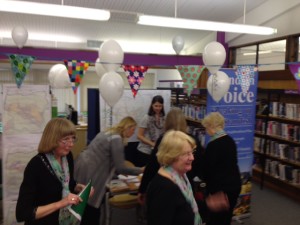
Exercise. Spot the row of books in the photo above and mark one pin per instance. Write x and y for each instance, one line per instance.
(199, 133)
(277, 149)
(287, 131)
(285, 110)
(194, 112)
(280, 171)
(283, 171)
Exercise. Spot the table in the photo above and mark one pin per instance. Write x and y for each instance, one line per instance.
(128, 185)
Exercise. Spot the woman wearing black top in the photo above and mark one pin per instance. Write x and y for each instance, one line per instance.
(175, 120)
(221, 171)
(170, 199)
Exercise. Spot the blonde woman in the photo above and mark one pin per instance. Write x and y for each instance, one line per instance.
(221, 171)
(103, 156)
(170, 199)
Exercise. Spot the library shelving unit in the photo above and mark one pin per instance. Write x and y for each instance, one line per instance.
(194, 108)
(277, 141)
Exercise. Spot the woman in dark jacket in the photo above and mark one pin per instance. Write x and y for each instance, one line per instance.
(221, 171)
(48, 187)
(175, 120)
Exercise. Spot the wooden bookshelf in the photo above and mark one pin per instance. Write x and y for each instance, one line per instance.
(278, 150)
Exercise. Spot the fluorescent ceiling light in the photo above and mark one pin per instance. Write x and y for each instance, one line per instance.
(260, 52)
(204, 25)
(54, 10)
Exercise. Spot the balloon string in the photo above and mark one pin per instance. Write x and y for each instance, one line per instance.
(175, 9)
(110, 118)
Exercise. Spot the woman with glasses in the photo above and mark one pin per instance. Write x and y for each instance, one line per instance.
(175, 120)
(48, 186)
(170, 199)
(221, 171)
(103, 157)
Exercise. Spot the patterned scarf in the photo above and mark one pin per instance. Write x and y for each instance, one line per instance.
(155, 128)
(63, 174)
(186, 189)
(218, 134)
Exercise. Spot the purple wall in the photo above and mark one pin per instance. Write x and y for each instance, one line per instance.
(91, 56)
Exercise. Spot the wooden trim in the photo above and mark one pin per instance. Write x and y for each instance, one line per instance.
(276, 75)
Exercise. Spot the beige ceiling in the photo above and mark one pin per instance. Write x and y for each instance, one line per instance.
(122, 25)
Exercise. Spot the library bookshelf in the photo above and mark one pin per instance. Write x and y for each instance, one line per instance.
(277, 141)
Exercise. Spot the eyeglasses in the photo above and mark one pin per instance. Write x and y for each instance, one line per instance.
(188, 154)
(69, 140)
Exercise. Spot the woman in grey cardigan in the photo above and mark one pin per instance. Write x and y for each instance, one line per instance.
(103, 156)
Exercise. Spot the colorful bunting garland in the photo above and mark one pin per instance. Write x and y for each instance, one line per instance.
(190, 76)
(135, 76)
(76, 70)
(20, 65)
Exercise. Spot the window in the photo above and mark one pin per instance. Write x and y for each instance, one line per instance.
(271, 55)
(246, 55)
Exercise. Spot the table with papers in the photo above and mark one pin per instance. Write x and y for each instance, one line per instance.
(121, 185)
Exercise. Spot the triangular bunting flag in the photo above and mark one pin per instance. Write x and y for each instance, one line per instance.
(76, 70)
(135, 76)
(190, 76)
(78, 210)
(295, 70)
(20, 65)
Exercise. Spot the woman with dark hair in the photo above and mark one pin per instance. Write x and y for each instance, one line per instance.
(150, 128)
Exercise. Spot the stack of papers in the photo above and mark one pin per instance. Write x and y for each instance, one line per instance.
(129, 178)
(118, 185)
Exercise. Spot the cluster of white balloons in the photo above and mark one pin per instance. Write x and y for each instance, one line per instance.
(58, 77)
(218, 83)
(19, 35)
(111, 84)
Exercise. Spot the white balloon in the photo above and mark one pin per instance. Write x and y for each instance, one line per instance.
(111, 55)
(19, 35)
(214, 55)
(100, 70)
(178, 44)
(111, 87)
(218, 85)
(58, 77)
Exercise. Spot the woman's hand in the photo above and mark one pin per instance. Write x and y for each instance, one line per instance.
(92, 192)
(80, 187)
(71, 199)
(217, 202)
(141, 198)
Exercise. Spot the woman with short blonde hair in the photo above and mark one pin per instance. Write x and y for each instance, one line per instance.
(221, 171)
(171, 147)
(170, 199)
(214, 120)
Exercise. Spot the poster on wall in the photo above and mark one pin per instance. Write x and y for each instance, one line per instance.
(26, 111)
(129, 106)
(238, 107)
